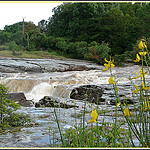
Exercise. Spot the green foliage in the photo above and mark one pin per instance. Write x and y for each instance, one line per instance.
(99, 52)
(6, 105)
(17, 120)
(119, 59)
(5, 37)
(75, 25)
(38, 40)
(136, 47)
(16, 49)
(19, 27)
(77, 49)
(18, 37)
(3, 47)
(61, 45)
(95, 136)
(119, 24)
(43, 25)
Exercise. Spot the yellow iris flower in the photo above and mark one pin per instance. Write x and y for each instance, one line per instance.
(94, 116)
(137, 58)
(142, 45)
(111, 80)
(142, 53)
(126, 112)
(137, 90)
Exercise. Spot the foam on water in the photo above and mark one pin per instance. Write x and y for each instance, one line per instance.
(39, 91)
(59, 84)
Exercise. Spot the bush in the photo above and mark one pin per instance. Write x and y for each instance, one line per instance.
(17, 120)
(99, 52)
(16, 49)
(77, 49)
(61, 45)
(3, 47)
(6, 105)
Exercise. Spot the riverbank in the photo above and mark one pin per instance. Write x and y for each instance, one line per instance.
(31, 54)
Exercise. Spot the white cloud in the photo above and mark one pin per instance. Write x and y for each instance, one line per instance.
(11, 13)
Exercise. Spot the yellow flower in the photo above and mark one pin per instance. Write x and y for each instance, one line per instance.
(94, 116)
(146, 105)
(118, 104)
(146, 145)
(106, 60)
(105, 69)
(111, 80)
(136, 76)
(126, 112)
(137, 58)
(145, 87)
(142, 53)
(142, 45)
(117, 89)
(142, 74)
(124, 103)
(137, 90)
(108, 64)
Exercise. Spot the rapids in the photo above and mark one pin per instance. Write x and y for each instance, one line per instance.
(59, 84)
(56, 79)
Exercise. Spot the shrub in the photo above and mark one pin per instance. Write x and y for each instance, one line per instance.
(6, 105)
(77, 49)
(99, 51)
(16, 49)
(61, 45)
(17, 120)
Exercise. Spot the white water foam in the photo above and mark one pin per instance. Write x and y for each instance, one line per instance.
(39, 91)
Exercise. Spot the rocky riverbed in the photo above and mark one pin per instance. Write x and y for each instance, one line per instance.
(65, 82)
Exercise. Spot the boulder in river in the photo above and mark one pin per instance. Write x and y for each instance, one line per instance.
(92, 93)
(48, 101)
(20, 99)
(103, 93)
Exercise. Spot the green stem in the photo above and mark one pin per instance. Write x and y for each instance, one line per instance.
(58, 125)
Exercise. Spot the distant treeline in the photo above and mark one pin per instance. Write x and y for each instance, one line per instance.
(85, 31)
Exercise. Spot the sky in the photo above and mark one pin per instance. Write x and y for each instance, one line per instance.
(13, 12)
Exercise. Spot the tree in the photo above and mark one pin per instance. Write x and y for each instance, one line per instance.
(5, 37)
(43, 25)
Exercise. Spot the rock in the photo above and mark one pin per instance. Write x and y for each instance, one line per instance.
(104, 93)
(20, 99)
(16, 96)
(48, 101)
(15, 65)
(92, 93)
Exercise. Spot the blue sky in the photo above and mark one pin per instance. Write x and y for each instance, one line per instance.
(12, 12)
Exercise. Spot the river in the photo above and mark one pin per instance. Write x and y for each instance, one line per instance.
(37, 78)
